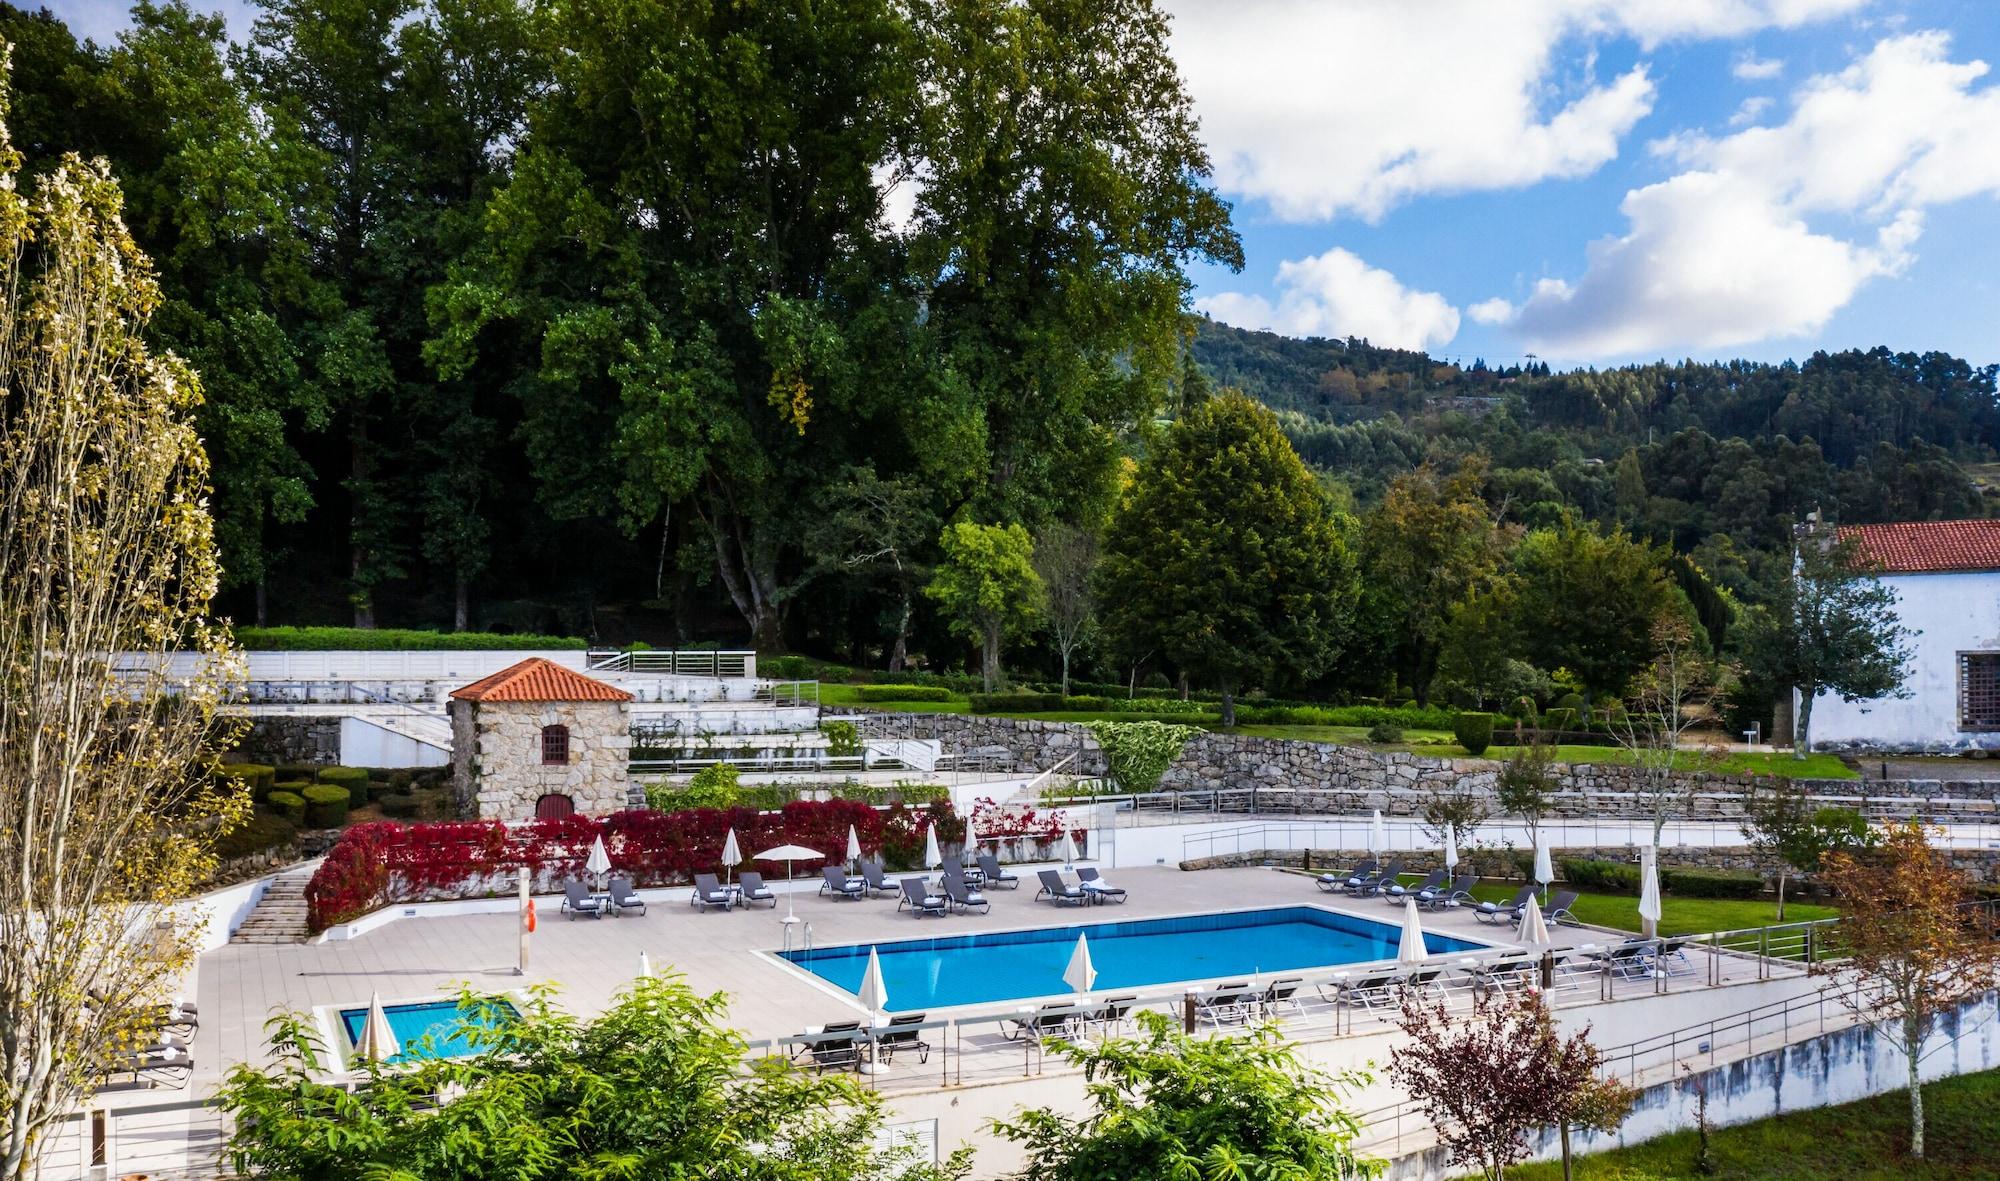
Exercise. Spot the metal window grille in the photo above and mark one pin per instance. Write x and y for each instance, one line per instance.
(555, 745)
(1979, 690)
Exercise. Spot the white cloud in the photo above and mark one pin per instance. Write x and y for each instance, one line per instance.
(1491, 311)
(1724, 253)
(1337, 294)
(899, 195)
(1318, 109)
(1751, 110)
(1752, 68)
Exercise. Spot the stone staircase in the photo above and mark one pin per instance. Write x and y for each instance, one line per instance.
(280, 916)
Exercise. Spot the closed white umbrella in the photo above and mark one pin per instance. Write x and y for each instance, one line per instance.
(732, 854)
(1450, 847)
(789, 854)
(853, 846)
(874, 993)
(645, 964)
(1378, 841)
(1649, 893)
(377, 1040)
(1068, 848)
(1545, 871)
(1534, 928)
(599, 861)
(932, 858)
(1412, 950)
(971, 838)
(1081, 973)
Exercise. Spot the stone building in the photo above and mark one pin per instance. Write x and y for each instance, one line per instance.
(537, 740)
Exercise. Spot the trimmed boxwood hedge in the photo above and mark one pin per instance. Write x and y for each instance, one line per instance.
(298, 772)
(399, 805)
(353, 780)
(263, 830)
(1596, 873)
(902, 693)
(326, 805)
(288, 804)
(1712, 883)
(258, 777)
(1474, 732)
(387, 639)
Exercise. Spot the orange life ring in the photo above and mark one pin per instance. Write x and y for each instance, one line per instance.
(529, 921)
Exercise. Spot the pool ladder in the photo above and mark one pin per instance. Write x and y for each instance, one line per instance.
(805, 937)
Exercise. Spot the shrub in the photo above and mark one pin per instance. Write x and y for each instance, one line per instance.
(256, 777)
(1595, 873)
(1385, 732)
(263, 830)
(296, 772)
(714, 786)
(1712, 883)
(353, 780)
(401, 805)
(326, 805)
(391, 639)
(1573, 702)
(784, 668)
(1474, 731)
(1138, 753)
(902, 693)
(841, 738)
(1558, 719)
(289, 804)
(296, 787)
(400, 781)
(435, 803)
(1016, 703)
(1410, 718)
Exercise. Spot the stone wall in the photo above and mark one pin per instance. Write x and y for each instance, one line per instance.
(1981, 865)
(291, 738)
(505, 775)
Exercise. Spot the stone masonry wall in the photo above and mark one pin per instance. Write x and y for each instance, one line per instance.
(1981, 865)
(510, 776)
(290, 738)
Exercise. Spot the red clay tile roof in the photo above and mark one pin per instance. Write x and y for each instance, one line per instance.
(1928, 547)
(536, 679)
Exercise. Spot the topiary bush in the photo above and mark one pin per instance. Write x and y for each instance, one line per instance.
(326, 804)
(1578, 708)
(1712, 883)
(288, 804)
(263, 830)
(1385, 732)
(1596, 873)
(842, 739)
(1474, 731)
(256, 777)
(353, 780)
(902, 693)
(400, 805)
(296, 772)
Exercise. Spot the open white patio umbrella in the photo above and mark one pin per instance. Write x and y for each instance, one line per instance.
(377, 1040)
(854, 848)
(599, 861)
(789, 854)
(645, 964)
(1545, 871)
(1649, 893)
(932, 858)
(1378, 841)
(732, 855)
(1534, 929)
(1450, 847)
(1081, 973)
(1068, 848)
(1412, 950)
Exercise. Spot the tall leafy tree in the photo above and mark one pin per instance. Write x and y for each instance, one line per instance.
(987, 586)
(1066, 557)
(1831, 628)
(1587, 601)
(1224, 556)
(1423, 551)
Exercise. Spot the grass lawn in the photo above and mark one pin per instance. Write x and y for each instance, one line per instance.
(1862, 1141)
(1678, 916)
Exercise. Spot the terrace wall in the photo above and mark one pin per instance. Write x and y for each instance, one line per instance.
(1982, 865)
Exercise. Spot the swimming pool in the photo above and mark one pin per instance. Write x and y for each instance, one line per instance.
(441, 1021)
(1017, 965)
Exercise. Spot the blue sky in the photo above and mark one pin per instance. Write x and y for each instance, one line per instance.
(1591, 181)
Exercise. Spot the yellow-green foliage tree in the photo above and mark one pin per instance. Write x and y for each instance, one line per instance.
(988, 588)
(106, 548)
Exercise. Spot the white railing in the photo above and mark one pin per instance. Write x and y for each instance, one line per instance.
(695, 662)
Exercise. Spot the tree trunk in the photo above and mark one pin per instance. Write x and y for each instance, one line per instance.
(357, 459)
(262, 601)
(1802, 725)
(989, 659)
(460, 595)
(900, 653)
(1781, 894)
(1228, 705)
(1913, 1041)
(1065, 672)
(1567, 1175)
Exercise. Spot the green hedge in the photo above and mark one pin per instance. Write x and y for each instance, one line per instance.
(258, 777)
(263, 830)
(1043, 703)
(295, 786)
(288, 804)
(399, 805)
(326, 805)
(1409, 718)
(1474, 732)
(391, 639)
(296, 772)
(352, 780)
(1595, 873)
(1712, 883)
(902, 693)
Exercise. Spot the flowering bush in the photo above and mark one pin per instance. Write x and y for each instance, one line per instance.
(1138, 753)
(377, 865)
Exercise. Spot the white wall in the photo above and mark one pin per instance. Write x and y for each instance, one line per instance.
(365, 744)
(1949, 614)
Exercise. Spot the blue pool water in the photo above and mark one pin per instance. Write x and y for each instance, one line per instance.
(1017, 965)
(440, 1020)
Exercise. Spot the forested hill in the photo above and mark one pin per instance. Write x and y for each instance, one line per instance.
(1679, 452)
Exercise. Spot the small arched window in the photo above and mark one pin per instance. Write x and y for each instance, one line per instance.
(555, 745)
(554, 806)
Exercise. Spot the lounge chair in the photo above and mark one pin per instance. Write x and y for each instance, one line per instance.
(1051, 1020)
(1630, 960)
(1672, 957)
(1090, 883)
(956, 867)
(897, 1036)
(1379, 882)
(1558, 911)
(1454, 893)
(1505, 912)
(963, 896)
(709, 892)
(1396, 891)
(1283, 994)
(834, 880)
(1504, 973)
(1115, 1012)
(1340, 881)
(1371, 991)
(1058, 891)
(918, 897)
(752, 889)
(837, 1053)
(624, 898)
(995, 876)
(1226, 1004)
(577, 900)
(874, 881)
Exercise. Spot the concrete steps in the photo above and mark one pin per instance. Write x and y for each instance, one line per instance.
(280, 916)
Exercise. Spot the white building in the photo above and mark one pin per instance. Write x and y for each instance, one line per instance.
(1946, 575)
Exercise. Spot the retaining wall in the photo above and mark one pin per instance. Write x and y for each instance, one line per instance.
(291, 738)
(1982, 865)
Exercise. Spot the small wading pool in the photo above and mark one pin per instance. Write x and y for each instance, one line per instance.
(439, 1020)
(1018, 965)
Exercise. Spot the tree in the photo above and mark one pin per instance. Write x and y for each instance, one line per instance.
(1488, 1079)
(877, 524)
(1831, 628)
(1456, 811)
(653, 1087)
(1066, 559)
(1478, 643)
(1527, 778)
(1913, 948)
(1652, 725)
(987, 585)
(1224, 556)
(1780, 821)
(1422, 552)
(1139, 753)
(107, 565)
(1168, 1105)
(1586, 601)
